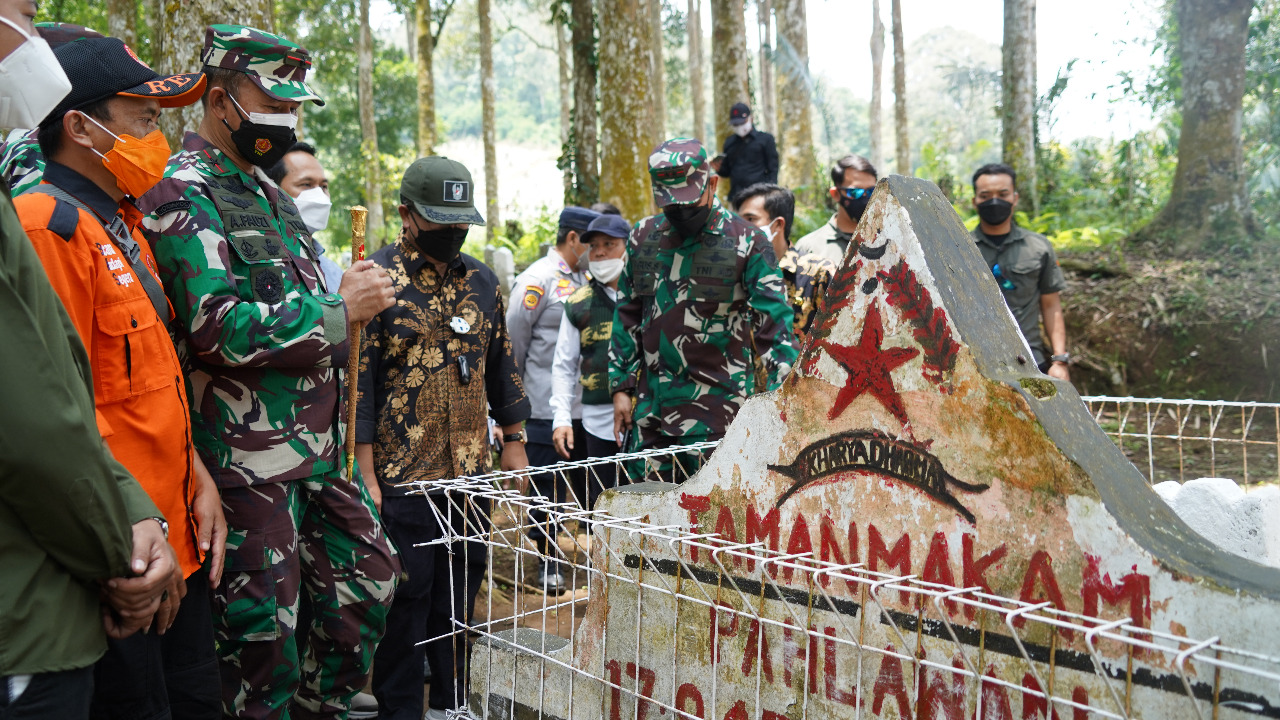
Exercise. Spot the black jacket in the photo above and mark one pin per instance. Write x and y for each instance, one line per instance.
(749, 160)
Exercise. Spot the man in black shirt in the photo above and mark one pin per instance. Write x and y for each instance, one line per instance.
(432, 368)
(749, 156)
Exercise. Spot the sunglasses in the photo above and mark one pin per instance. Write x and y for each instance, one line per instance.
(856, 193)
(1005, 283)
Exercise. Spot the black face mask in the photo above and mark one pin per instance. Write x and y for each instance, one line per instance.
(854, 207)
(688, 220)
(995, 211)
(441, 245)
(261, 145)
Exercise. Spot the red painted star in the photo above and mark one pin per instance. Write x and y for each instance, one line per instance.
(869, 368)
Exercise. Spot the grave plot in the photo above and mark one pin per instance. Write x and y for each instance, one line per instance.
(916, 525)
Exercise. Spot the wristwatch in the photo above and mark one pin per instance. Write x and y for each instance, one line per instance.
(1063, 358)
(164, 525)
(520, 437)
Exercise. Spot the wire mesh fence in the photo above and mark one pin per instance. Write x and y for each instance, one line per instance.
(1188, 439)
(697, 626)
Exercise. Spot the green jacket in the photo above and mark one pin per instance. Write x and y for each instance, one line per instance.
(66, 506)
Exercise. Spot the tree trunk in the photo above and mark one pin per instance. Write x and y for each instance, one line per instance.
(585, 136)
(1018, 96)
(877, 86)
(1208, 209)
(767, 115)
(626, 135)
(795, 116)
(426, 79)
(182, 32)
(369, 133)
(659, 70)
(122, 20)
(566, 106)
(697, 89)
(487, 124)
(903, 150)
(728, 65)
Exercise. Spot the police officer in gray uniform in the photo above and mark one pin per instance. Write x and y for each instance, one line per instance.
(533, 322)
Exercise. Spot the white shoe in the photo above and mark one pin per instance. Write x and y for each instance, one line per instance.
(434, 714)
(363, 707)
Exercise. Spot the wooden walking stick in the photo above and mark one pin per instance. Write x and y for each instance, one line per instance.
(358, 214)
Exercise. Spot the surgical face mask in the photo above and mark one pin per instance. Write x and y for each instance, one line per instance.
(32, 82)
(263, 139)
(606, 271)
(743, 130)
(137, 163)
(314, 205)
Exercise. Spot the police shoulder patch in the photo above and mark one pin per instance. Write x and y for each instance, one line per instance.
(532, 296)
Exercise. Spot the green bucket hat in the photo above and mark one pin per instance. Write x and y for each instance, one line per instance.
(440, 190)
(678, 170)
(277, 66)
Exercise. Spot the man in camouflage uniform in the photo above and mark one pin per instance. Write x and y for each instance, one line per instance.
(772, 208)
(22, 163)
(263, 340)
(699, 299)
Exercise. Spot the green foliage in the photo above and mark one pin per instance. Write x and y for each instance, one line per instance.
(528, 248)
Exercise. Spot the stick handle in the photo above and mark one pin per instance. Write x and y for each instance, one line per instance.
(358, 216)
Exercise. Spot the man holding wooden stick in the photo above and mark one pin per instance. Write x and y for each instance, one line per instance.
(263, 339)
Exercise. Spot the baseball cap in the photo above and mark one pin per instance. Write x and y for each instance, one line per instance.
(276, 65)
(577, 218)
(739, 113)
(58, 34)
(440, 190)
(614, 226)
(99, 68)
(678, 171)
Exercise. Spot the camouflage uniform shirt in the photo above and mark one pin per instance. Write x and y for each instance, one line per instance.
(22, 165)
(683, 337)
(806, 278)
(423, 414)
(261, 339)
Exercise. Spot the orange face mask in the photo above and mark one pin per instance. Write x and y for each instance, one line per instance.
(137, 163)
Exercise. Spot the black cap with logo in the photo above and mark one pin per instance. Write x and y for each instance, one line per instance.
(441, 191)
(739, 114)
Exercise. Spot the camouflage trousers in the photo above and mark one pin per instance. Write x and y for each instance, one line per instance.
(322, 538)
(672, 468)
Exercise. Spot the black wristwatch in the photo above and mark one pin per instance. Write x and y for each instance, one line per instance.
(520, 437)
(1063, 358)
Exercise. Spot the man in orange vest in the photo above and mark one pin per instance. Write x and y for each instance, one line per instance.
(104, 150)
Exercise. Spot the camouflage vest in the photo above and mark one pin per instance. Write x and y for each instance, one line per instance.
(714, 274)
(590, 310)
(255, 236)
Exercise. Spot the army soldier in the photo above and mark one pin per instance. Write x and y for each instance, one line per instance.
(853, 178)
(684, 340)
(533, 321)
(263, 338)
(772, 208)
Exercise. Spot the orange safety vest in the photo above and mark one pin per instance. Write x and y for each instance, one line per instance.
(138, 390)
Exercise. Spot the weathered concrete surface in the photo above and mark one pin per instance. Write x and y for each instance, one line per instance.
(1242, 523)
(917, 438)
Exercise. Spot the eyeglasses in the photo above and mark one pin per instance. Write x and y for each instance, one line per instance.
(1005, 283)
(856, 193)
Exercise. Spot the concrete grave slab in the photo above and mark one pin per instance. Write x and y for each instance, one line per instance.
(915, 437)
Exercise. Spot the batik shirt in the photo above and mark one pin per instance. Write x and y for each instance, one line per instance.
(424, 414)
(692, 316)
(261, 340)
(806, 278)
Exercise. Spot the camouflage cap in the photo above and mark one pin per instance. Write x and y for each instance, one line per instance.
(58, 34)
(678, 170)
(276, 65)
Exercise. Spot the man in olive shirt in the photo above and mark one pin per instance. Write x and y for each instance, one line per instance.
(70, 515)
(1024, 266)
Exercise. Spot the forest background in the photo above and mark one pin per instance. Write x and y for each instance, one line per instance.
(1166, 228)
